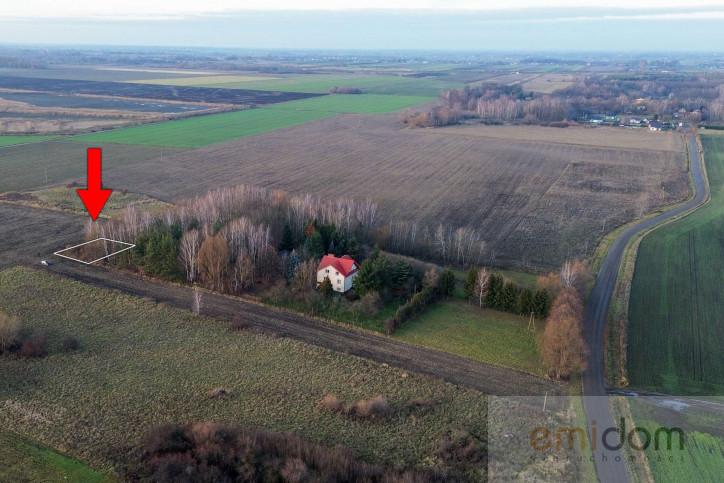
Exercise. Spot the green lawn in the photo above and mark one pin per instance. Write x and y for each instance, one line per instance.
(7, 140)
(676, 310)
(24, 460)
(485, 335)
(354, 103)
(204, 130)
(141, 364)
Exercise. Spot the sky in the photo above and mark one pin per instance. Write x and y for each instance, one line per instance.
(495, 25)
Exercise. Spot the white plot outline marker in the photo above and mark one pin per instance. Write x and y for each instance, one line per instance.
(59, 252)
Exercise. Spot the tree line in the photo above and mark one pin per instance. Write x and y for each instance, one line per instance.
(691, 97)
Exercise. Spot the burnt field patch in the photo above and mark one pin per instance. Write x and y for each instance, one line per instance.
(151, 91)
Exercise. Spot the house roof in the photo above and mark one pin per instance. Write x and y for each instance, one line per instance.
(344, 265)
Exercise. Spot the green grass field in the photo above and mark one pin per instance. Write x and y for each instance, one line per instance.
(353, 103)
(702, 458)
(485, 335)
(7, 140)
(141, 364)
(202, 131)
(24, 460)
(676, 311)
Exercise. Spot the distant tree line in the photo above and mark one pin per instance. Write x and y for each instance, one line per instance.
(687, 97)
(345, 90)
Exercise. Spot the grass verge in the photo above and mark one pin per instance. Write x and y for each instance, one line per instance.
(24, 460)
(9, 140)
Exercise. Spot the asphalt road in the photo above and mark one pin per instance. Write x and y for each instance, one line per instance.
(594, 386)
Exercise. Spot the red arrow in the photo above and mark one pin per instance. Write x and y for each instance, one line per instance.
(94, 198)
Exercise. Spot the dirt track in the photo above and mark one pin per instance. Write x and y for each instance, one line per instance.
(457, 370)
(27, 232)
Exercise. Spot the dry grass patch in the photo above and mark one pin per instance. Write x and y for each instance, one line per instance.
(143, 365)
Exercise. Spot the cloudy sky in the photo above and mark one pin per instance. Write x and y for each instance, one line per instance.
(372, 24)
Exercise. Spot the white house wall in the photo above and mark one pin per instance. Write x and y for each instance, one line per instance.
(338, 281)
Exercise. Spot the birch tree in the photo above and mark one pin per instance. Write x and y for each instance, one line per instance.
(188, 253)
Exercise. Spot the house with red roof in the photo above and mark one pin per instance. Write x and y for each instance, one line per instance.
(340, 270)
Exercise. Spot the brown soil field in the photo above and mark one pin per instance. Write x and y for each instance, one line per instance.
(548, 83)
(32, 166)
(535, 202)
(29, 235)
(605, 137)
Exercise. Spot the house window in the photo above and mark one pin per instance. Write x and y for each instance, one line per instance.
(326, 270)
(339, 282)
(336, 273)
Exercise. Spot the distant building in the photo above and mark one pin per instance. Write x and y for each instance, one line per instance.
(655, 126)
(340, 270)
(595, 119)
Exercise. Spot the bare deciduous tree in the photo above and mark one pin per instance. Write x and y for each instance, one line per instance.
(563, 347)
(213, 261)
(189, 252)
(481, 286)
(197, 303)
(568, 275)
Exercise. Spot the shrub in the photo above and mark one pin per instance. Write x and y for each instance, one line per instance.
(70, 344)
(331, 402)
(215, 452)
(462, 449)
(421, 403)
(446, 285)
(237, 323)
(371, 304)
(326, 287)
(9, 327)
(36, 346)
(375, 408)
(220, 393)
(168, 438)
(391, 324)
